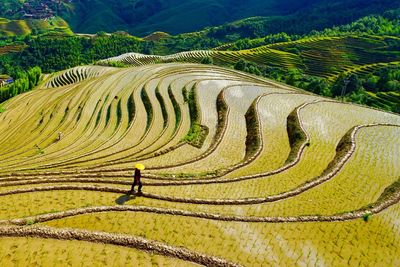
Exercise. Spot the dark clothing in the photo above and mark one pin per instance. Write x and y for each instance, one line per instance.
(136, 181)
(137, 175)
(139, 186)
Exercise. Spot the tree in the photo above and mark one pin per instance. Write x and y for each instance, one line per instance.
(293, 76)
(354, 84)
(370, 83)
(319, 86)
(240, 65)
(345, 85)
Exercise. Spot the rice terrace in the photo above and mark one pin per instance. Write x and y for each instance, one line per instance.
(240, 171)
(199, 133)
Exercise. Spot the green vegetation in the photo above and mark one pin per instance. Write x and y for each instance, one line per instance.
(63, 53)
(366, 217)
(148, 107)
(296, 135)
(117, 64)
(30, 222)
(207, 61)
(177, 108)
(197, 133)
(23, 82)
(253, 141)
(145, 17)
(378, 88)
(162, 105)
(384, 25)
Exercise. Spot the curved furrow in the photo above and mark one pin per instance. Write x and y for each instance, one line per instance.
(230, 169)
(37, 132)
(383, 202)
(343, 155)
(95, 129)
(21, 118)
(119, 156)
(238, 162)
(77, 74)
(103, 115)
(114, 239)
(252, 150)
(77, 122)
(43, 92)
(228, 126)
(335, 167)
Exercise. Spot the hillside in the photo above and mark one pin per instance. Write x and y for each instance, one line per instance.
(53, 26)
(141, 17)
(144, 17)
(297, 62)
(240, 171)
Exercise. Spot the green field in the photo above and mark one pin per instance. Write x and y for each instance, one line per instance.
(240, 170)
(53, 26)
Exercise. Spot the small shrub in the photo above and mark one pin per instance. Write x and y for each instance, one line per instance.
(2, 109)
(366, 217)
(117, 64)
(30, 222)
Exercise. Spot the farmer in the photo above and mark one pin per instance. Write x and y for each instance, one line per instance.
(60, 136)
(137, 176)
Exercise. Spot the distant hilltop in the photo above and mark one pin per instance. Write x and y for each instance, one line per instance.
(35, 9)
(143, 17)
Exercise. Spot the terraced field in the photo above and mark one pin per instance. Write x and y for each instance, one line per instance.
(240, 171)
(262, 55)
(53, 25)
(323, 56)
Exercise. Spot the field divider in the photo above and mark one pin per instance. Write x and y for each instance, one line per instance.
(129, 241)
(389, 197)
(346, 149)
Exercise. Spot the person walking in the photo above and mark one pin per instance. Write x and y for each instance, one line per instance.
(137, 176)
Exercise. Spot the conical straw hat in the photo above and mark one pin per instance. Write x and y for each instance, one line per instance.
(140, 167)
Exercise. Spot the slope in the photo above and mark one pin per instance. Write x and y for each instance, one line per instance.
(281, 176)
(144, 17)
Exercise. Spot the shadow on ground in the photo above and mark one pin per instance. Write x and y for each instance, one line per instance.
(123, 199)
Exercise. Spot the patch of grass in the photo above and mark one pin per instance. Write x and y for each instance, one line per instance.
(253, 141)
(147, 106)
(117, 64)
(131, 108)
(30, 222)
(108, 115)
(197, 133)
(2, 109)
(177, 108)
(162, 104)
(295, 134)
(119, 113)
